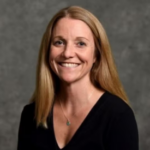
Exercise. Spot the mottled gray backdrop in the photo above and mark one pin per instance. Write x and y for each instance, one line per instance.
(22, 23)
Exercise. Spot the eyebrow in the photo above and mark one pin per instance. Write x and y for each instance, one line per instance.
(79, 37)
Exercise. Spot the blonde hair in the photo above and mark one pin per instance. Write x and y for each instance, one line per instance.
(103, 73)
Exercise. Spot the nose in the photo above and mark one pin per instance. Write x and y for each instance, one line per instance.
(68, 51)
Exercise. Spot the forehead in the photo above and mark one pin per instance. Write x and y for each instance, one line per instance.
(72, 27)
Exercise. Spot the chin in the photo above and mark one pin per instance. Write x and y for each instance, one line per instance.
(69, 79)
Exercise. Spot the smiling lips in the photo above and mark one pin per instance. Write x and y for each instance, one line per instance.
(69, 65)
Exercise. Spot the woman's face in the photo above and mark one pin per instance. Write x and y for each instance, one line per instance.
(72, 50)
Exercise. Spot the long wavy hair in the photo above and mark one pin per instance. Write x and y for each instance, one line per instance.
(103, 74)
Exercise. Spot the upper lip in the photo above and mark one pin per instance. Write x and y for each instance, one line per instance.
(69, 62)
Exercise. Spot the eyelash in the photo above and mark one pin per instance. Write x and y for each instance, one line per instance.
(60, 42)
(83, 44)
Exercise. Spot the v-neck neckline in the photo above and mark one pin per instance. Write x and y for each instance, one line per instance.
(99, 102)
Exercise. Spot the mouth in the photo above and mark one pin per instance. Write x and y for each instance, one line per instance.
(69, 65)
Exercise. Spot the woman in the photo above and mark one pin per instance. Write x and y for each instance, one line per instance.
(79, 102)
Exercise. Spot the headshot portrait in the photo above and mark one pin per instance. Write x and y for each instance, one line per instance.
(75, 76)
(79, 102)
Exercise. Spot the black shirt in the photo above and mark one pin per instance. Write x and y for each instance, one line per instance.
(110, 125)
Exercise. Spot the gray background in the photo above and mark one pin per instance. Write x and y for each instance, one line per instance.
(22, 23)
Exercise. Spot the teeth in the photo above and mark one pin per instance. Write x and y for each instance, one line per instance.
(69, 65)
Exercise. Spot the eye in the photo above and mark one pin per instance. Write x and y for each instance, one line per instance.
(59, 43)
(81, 44)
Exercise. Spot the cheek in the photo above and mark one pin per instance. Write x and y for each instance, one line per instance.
(52, 64)
(54, 52)
(51, 54)
(89, 57)
(52, 59)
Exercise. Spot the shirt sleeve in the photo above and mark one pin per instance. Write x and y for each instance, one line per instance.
(124, 133)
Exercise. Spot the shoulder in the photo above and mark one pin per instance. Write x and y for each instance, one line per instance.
(119, 114)
(28, 112)
(29, 108)
(27, 125)
(121, 123)
(115, 104)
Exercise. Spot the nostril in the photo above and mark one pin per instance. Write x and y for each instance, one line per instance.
(67, 54)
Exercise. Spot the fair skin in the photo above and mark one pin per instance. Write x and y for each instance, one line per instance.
(71, 58)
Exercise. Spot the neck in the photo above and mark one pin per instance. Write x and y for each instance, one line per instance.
(76, 95)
